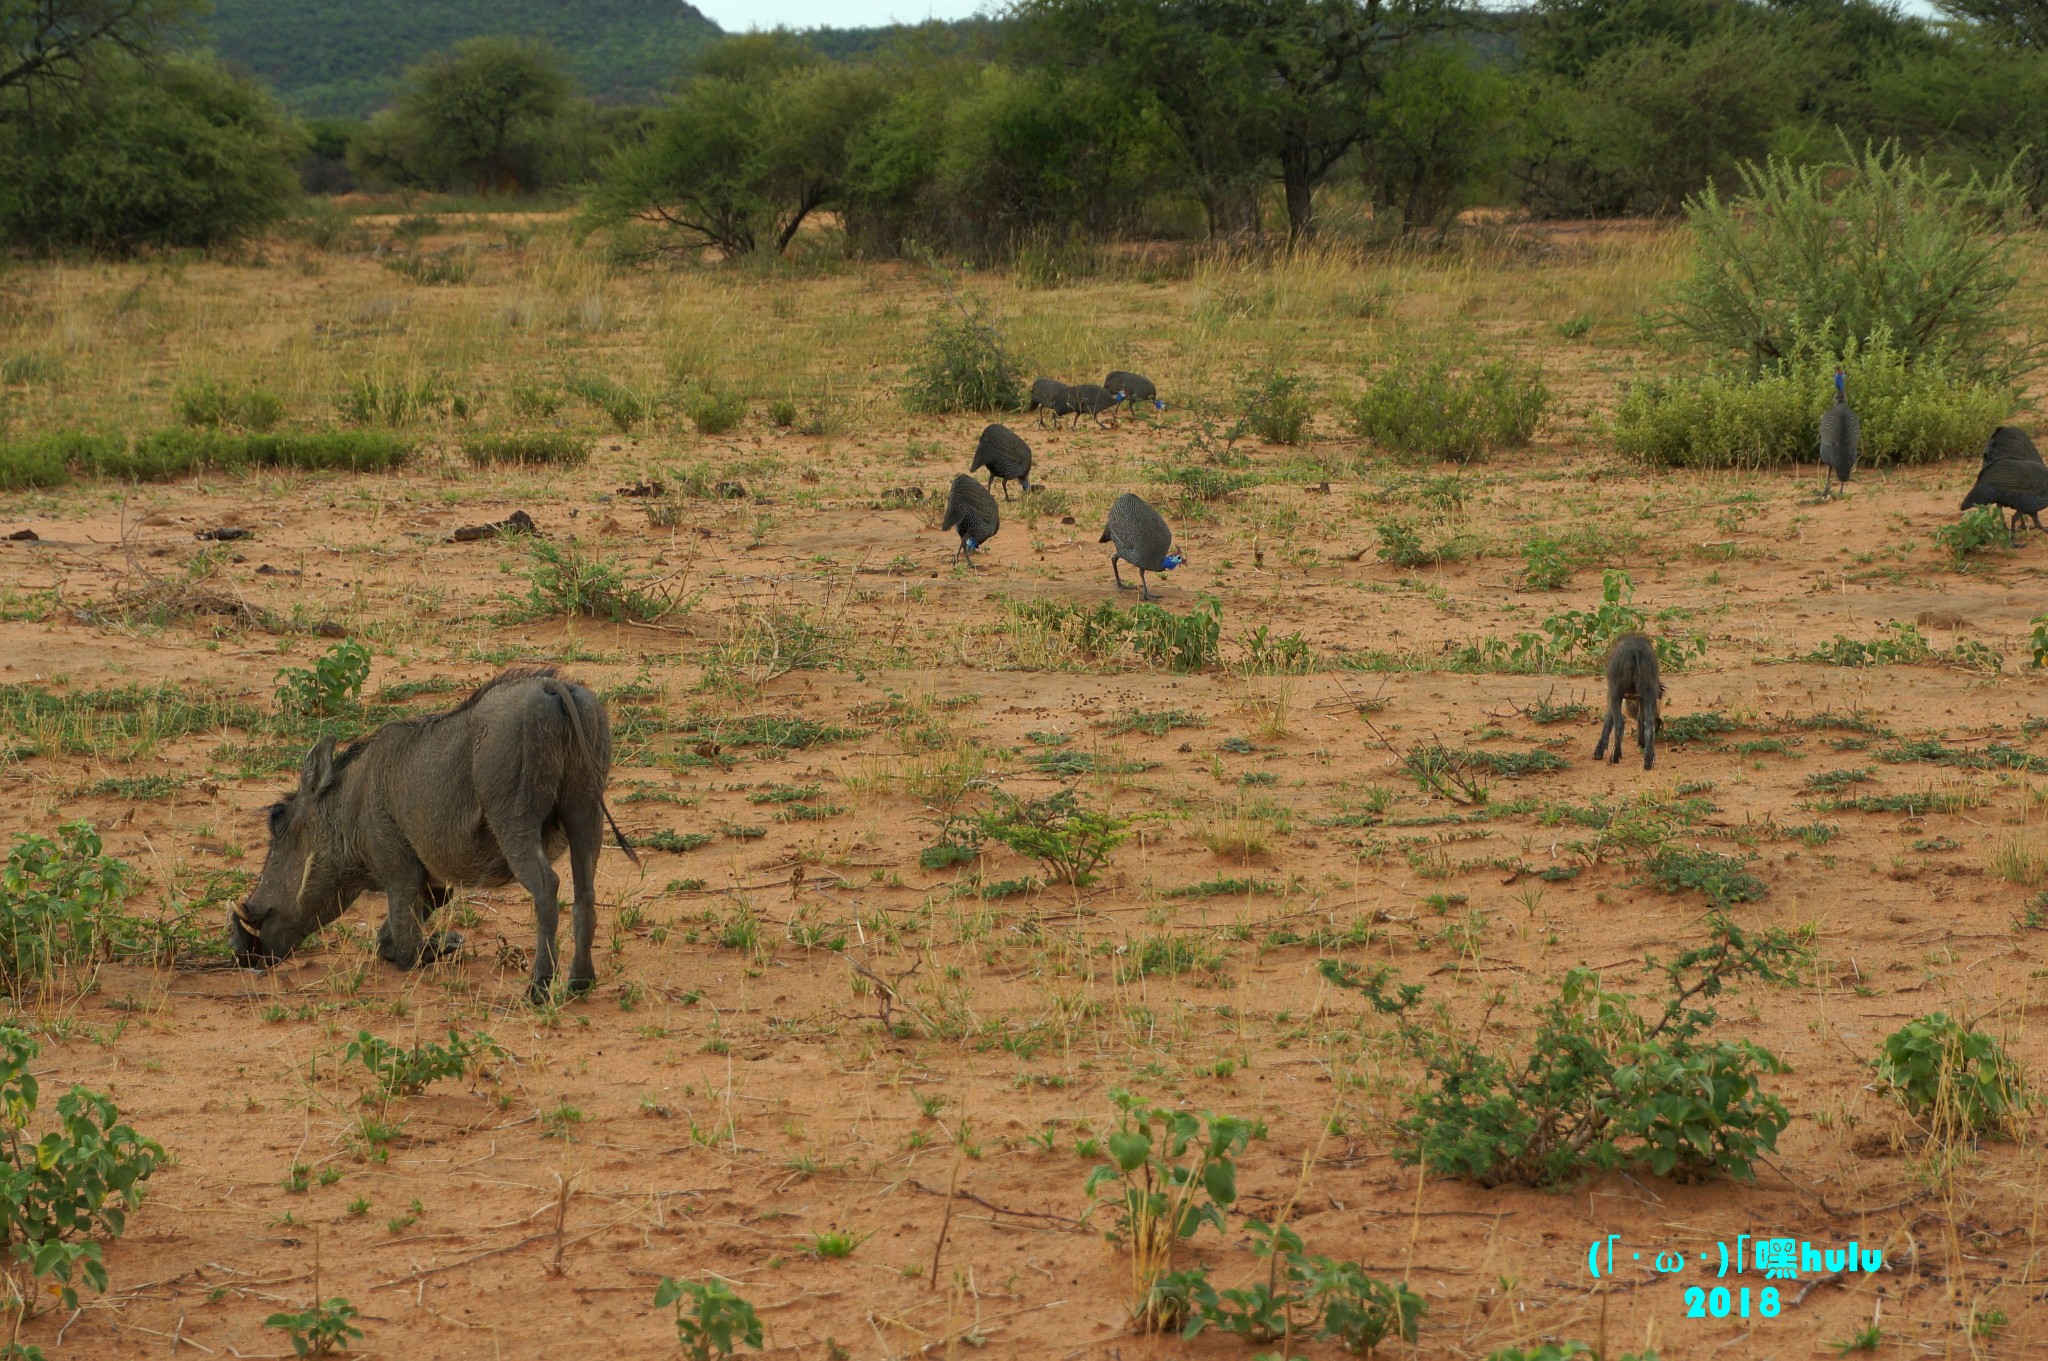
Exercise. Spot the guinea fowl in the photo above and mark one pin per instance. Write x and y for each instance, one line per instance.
(2015, 484)
(2009, 444)
(972, 511)
(1050, 394)
(1141, 538)
(1004, 453)
(1134, 388)
(1089, 399)
(1840, 433)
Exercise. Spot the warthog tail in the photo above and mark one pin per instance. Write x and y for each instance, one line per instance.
(568, 703)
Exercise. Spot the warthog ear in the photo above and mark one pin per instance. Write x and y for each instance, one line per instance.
(318, 771)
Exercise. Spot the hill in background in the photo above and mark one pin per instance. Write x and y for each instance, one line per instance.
(339, 57)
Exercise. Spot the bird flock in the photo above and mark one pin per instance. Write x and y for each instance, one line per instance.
(1137, 532)
(2012, 477)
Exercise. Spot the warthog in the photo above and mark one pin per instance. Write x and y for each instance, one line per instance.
(1634, 690)
(485, 794)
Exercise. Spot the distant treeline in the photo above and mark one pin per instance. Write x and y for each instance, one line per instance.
(1062, 123)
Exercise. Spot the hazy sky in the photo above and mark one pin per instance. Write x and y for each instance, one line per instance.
(738, 15)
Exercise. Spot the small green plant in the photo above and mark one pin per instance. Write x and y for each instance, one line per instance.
(541, 448)
(393, 399)
(782, 413)
(835, 1243)
(962, 365)
(1073, 841)
(1307, 1296)
(2037, 642)
(1724, 879)
(715, 413)
(61, 904)
(321, 1330)
(1599, 1086)
(332, 685)
(1868, 1338)
(1423, 407)
(625, 407)
(1581, 637)
(711, 1319)
(400, 1071)
(1895, 645)
(1276, 406)
(1980, 527)
(566, 581)
(211, 405)
(65, 1192)
(1172, 1172)
(1959, 1082)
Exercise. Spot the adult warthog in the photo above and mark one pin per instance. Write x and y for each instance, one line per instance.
(485, 794)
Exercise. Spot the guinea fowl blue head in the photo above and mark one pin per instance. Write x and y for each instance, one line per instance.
(1172, 561)
(1841, 383)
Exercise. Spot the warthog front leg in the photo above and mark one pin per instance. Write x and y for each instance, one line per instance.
(409, 901)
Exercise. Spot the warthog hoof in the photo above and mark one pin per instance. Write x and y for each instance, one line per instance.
(433, 947)
(538, 993)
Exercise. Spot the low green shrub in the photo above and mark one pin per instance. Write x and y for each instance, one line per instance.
(1955, 1080)
(52, 460)
(1915, 413)
(1417, 406)
(332, 685)
(61, 905)
(623, 405)
(62, 1193)
(717, 413)
(1598, 1086)
(566, 451)
(1073, 841)
(211, 405)
(1980, 527)
(392, 399)
(962, 365)
(1277, 407)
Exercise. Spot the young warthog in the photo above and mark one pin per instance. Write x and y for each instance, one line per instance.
(485, 794)
(1634, 690)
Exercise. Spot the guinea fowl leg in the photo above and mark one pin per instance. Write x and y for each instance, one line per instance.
(1144, 591)
(1116, 570)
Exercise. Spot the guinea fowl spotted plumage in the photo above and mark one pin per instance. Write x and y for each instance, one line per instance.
(1133, 388)
(1090, 399)
(972, 511)
(1004, 453)
(1050, 394)
(2009, 444)
(2017, 484)
(1141, 538)
(1840, 434)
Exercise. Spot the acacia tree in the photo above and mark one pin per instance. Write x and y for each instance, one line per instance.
(485, 114)
(48, 43)
(2014, 23)
(1282, 85)
(742, 159)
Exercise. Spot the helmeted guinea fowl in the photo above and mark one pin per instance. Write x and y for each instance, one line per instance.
(972, 511)
(1141, 538)
(1134, 388)
(2009, 444)
(1840, 435)
(1090, 399)
(1050, 394)
(2017, 484)
(1004, 453)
